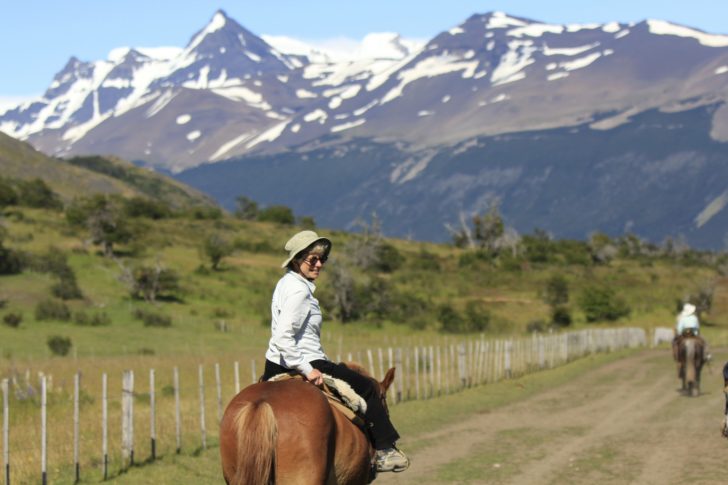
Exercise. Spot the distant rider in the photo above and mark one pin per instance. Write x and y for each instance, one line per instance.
(687, 324)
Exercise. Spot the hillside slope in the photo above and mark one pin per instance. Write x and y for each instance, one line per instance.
(88, 175)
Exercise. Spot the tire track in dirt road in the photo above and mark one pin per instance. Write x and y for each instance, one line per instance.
(621, 423)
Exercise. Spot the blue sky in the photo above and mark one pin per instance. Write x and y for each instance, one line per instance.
(37, 37)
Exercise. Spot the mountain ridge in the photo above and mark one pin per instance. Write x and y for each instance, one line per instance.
(391, 128)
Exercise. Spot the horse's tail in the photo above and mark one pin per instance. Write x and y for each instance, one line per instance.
(257, 433)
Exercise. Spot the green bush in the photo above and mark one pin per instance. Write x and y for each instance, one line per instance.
(388, 258)
(601, 303)
(205, 213)
(11, 262)
(477, 316)
(450, 320)
(152, 319)
(149, 208)
(13, 319)
(52, 310)
(59, 345)
(36, 193)
(561, 316)
(8, 195)
(277, 213)
(67, 288)
(215, 247)
(556, 291)
(94, 320)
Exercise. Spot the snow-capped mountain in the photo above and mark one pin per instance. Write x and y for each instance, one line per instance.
(232, 103)
(219, 96)
(230, 92)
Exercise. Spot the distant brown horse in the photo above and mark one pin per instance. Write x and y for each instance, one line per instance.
(286, 432)
(691, 360)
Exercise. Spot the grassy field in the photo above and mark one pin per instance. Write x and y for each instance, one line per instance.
(221, 316)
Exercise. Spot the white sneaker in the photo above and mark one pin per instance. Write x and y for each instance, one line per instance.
(391, 460)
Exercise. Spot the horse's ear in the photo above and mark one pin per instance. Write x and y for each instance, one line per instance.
(388, 379)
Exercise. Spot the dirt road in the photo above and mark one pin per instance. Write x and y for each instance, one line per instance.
(625, 422)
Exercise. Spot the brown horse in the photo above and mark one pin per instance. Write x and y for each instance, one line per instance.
(286, 432)
(690, 358)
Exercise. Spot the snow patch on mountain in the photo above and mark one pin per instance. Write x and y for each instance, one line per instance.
(347, 126)
(660, 27)
(512, 64)
(536, 30)
(430, 67)
(713, 208)
(500, 20)
(568, 51)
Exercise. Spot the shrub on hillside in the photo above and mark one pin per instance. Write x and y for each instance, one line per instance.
(556, 291)
(601, 303)
(388, 259)
(152, 319)
(36, 193)
(477, 316)
(52, 310)
(205, 213)
(93, 320)
(8, 195)
(149, 208)
(561, 316)
(67, 288)
(103, 217)
(307, 222)
(11, 261)
(152, 282)
(13, 320)
(59, 345)
(277, 213)
(215, 247)
(450, 320)
(246, 208)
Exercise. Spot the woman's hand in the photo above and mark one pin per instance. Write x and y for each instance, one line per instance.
(315, 377)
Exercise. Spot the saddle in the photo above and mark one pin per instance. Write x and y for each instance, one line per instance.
(340, 396)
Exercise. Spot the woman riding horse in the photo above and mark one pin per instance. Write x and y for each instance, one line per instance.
(295, 343)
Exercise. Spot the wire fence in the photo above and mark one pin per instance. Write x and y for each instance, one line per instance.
(95, 432)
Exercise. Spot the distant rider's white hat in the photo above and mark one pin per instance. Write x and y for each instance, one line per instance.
(688, 309)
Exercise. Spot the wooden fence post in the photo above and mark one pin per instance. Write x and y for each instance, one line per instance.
(417, 373)
(127, 416)
(152, 415)
(218, 387)
(203, 429)
(177, 411)
(6, 431)
(431, 362)
(76, 460)
(43, 431)
(105, 424)
(507, 359)
(461, 366)
(237, 377)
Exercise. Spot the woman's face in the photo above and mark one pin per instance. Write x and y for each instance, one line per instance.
(311, 266)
